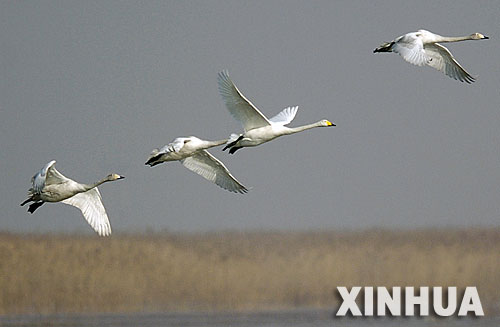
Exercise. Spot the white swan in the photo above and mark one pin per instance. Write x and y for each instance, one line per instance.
(191, 152)
(422, 48)
(49, 185)
(257, 128)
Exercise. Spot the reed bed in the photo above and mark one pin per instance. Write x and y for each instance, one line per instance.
(236, 270)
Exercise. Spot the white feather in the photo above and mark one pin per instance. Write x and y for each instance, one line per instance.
(257, 128)
(285, 116)
(90, 204)
(209, 167)
(423, 48)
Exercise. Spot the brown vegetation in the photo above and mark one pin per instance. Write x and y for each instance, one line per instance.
(236, 271)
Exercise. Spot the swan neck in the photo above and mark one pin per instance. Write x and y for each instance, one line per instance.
(210, 144)
(88, 187)
(453, 38)
(292, 130)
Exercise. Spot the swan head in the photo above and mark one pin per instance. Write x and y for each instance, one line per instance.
(114, 177)
(326, 123)
(479, 36)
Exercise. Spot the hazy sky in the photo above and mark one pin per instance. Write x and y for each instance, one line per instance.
(96, 85)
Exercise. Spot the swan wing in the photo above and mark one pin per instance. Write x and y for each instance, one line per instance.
(90, 204)
(240, 108)
(175, 146)
(411, 48)
(285, 116)
(39, 179)
(55, 177)
(48, 175)
(212, 169)
(441, 59)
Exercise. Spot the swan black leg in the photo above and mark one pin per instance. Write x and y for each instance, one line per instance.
(232, 144)
(35, 206)
(26, 201)
(234, 149)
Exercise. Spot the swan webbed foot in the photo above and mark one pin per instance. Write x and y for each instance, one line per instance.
(232, 144)
(35, 206)
(234, 149)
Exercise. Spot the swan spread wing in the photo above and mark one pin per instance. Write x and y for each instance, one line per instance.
(90, 204)
(441, 59)
(411, 48)
(239, 106)
(285, 116)
(212, 169)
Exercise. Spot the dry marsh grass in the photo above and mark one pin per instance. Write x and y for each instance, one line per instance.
(236, 271)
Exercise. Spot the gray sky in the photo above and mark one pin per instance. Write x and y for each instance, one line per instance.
(98, 85)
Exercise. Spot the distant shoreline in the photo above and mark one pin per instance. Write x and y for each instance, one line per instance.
(236, 271)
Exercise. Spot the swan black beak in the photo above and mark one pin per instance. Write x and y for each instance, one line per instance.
(121, 177)
(485, 37)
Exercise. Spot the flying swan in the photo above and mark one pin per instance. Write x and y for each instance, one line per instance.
(257, 128)
(191, 152)
(49, 185)
(422, 48)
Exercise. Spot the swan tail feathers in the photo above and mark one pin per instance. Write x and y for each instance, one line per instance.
(234, 138)
(154, 160)
(31, 197)
(385, 47)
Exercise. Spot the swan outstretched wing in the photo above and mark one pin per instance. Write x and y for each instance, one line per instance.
(441, 59)
(209, 167)
(411, 48)
(285, 116)
(90, 204)
(240, 108)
